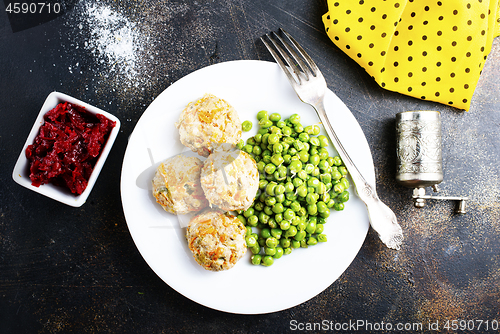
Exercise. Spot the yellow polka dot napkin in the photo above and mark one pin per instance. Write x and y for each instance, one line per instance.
(431, 50)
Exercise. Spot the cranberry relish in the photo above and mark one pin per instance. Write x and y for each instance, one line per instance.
(67, 147)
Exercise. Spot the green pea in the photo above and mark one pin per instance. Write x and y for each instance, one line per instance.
(321, 238)
(276, 130)
(285, 242)
(294, 119)
(297, 182)
(277, 160)
(256, 150)
(285, 225)
(269, 250)
(246, 126)
(325, 214)
(337, 161)
(345, 182)
(298, 128)
(338, 206)
(302, 212)
(325, 197)
(323, 141)
(313, 182)
(270, 201)
(306, 146)
(325, 177)
(314, 159)
(295, 206)
(291, 232)
(311, 226)
(314, 141)
(270, 168)
(262, 114)
(286, 131)
(256, 259)
(242, 219)
(323, 153)
(280, 124)
(300, 235)
(303, 156)
(303, 174)
(267, 260)
(275, 117)
(310, 198)
(265, 123)
(240, 144)
(321, 207)
(265, 233)
(288, 214)
(251, 241)
(321, 188)
(279, 189)
(323, 165)
(278, 217)
(338, 188)
(253, 220)
(304, 137)
(278, 208)
(287, 158)
(263, 217)
(312, 241)
(295, 243)
(268, 211)
(319, 228)
(271, 242)
(301, 226)
(343, 196)
(249, 212)
(273, 139)
(255, 249)
(302, 191)
(336, 175)
(249, 231)
(279, 252)
(247, 148)
(295, 166)
(312, 209)
(277, 148)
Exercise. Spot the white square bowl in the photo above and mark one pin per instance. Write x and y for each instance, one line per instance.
(21, 171)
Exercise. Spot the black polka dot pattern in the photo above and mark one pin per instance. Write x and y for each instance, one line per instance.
(431, 50)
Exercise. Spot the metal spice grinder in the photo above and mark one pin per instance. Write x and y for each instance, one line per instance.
(419, 155)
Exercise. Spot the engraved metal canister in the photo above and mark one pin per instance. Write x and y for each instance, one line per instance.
(419, 151)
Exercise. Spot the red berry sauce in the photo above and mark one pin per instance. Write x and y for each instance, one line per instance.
(67, 147)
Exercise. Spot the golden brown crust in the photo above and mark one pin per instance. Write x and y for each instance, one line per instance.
(216, 239)
(208, 122)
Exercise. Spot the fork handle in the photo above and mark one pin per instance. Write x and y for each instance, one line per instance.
(382, 218)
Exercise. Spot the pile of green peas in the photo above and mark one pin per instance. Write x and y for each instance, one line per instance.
(299, 184)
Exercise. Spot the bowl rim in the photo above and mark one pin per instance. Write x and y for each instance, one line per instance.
(20, 173)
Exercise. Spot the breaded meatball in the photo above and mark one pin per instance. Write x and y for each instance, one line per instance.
(176, 185)
(216, 239)
(207, 122)
(230, 179)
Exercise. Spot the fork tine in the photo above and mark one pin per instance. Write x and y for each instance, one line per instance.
(304, 70)
(302, 52)
(299, 60)
(278, 59)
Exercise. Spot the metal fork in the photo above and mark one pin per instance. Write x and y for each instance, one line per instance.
(310, 86)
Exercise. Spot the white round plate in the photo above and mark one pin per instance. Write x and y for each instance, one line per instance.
(249, 86)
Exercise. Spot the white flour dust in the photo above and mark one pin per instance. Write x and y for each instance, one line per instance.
(115, 44)
(113, 39)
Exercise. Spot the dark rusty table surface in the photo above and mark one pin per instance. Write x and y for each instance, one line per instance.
(65, 269)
